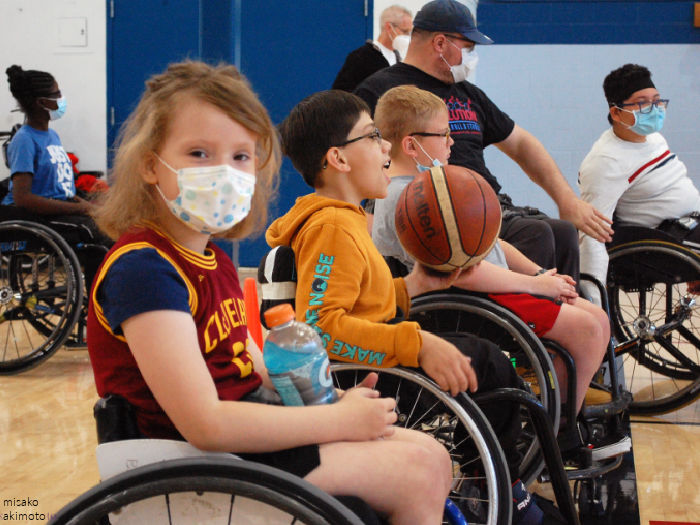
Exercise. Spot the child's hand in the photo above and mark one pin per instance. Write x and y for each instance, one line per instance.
(423, 279)
(370, 416)
(446, 365)
(556, 286)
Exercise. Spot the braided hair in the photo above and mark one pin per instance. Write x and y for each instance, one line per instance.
(27, 86)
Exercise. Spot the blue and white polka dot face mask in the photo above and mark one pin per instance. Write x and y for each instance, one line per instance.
(212, 199)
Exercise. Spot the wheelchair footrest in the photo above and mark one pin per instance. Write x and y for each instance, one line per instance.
(618, 405)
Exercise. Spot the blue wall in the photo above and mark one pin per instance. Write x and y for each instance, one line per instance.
(588, 22)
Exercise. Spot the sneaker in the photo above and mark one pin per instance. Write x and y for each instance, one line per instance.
(610, 447)
(525, 508)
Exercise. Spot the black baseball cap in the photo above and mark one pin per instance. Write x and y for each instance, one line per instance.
(449, 16)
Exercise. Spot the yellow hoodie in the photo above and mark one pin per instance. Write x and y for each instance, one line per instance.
(344, 287)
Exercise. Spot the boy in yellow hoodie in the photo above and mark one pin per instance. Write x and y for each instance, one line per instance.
(345, 289)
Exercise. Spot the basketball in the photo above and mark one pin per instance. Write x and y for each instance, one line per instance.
(448, 218)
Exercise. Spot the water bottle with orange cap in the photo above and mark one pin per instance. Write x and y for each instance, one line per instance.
(296, 360)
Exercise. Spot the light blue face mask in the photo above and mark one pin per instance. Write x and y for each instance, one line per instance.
(55, 114)
(421, 167)
(648, 123)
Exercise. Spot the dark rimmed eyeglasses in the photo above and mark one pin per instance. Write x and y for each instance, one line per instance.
(374, 135)
(461, 39)
(645, 107)
(445, 134)
(53, 95)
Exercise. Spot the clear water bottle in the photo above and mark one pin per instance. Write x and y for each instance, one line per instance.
(296, 360)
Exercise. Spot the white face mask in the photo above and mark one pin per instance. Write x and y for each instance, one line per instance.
(400, 44)
(212, 199)
(470, 60)
(461, 71)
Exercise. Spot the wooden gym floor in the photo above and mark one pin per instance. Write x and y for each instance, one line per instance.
(48, 446)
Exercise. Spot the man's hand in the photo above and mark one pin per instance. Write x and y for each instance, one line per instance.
(587, 219)
(446, 365)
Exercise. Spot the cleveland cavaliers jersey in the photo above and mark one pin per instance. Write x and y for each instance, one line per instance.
(144, 271)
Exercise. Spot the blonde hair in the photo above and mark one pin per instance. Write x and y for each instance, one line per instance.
(131, 201)
(404, 110)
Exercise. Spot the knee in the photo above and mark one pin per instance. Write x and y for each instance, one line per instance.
(604, 324)
(596, 330)
(428, 470)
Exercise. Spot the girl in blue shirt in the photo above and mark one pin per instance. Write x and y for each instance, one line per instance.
(41, 174)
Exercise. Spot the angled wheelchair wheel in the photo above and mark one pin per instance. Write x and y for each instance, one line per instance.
(41, 293)
(454, 313)
(481, 487)
(656, 324)
(205, 490)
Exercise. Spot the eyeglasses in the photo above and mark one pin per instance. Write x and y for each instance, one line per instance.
(462, 39)
(645, 107)
(53, 95)
(374, 135)
(399, 30)
(445, 134)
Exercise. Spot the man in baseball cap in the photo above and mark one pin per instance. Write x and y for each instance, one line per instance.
(439, 59)
(450, 16)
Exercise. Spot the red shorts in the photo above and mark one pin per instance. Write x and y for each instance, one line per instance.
(538, 312)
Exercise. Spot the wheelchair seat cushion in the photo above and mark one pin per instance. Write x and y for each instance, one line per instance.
(277, 276)
(632, 233)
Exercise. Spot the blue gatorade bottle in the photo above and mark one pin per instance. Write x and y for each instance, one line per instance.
(296, 360)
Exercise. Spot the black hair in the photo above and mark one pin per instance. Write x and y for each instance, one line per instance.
(315, 125)
(622, 82)
(27, 86)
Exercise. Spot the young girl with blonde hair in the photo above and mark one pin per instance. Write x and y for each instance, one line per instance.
(167, 322)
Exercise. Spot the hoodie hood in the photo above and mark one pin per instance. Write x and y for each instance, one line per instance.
(282, 230)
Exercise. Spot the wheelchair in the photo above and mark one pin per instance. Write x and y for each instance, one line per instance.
(165, 481)
(42, 290)
(161, 481)
(41, 294)
(481, 484)
(654, 317)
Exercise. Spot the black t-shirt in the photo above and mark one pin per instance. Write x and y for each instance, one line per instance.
(475, 121)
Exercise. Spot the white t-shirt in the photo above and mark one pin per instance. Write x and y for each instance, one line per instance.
(643, 183)
(388, 53)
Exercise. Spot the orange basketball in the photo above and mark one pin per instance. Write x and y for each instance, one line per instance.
(448, 217)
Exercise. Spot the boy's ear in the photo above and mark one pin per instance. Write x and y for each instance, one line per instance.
(615, 113)
(336, 159)
(408, 146)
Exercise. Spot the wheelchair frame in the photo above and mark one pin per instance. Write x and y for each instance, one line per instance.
(480, 472)
(232, 478)
(649, 269)
(41, 294)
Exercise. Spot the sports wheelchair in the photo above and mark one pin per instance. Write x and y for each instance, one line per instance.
(481, 484)
(654, 317)
(42, 291)
(166, 481)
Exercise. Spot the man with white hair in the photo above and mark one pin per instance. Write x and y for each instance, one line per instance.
(388, 49)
